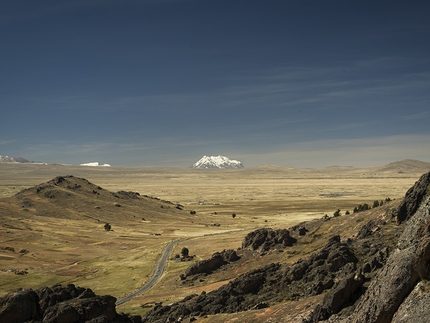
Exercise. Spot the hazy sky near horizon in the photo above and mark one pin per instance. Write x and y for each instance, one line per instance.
(163, 82)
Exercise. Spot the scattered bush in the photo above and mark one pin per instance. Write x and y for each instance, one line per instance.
(193, 212)
(361, 207)
(184, 252)
(336, 213)
(233, 215)
(107, 226)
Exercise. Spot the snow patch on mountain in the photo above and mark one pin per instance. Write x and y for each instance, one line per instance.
(221, 162)
(95, 164)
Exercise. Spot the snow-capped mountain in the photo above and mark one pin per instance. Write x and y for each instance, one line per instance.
(221, 162)
(95, 164)
(8, 159)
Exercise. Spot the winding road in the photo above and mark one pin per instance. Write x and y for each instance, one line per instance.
(160, 266)
(156, 274)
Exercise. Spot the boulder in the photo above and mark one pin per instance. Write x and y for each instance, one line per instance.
(19, 306)
(267, 239)
(60, 304)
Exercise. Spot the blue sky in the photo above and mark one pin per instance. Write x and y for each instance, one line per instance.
(164, 82)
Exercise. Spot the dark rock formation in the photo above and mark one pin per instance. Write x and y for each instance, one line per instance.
(405, 267)
(207, 266)
(58, 304)
(399, 292)
(274, 283)
(413, 198)
(126, 194)
(266, 239)
(19, 306)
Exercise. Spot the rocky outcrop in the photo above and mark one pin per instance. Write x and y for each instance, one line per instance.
(207, 266)
(413, 198)
(58, 304)
(415, 308)
(404, 269)
(19, 306)
(399, 292)
(243, 293)
(311, 276)
(266, 239)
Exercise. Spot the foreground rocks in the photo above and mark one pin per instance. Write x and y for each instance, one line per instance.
(399, 292)
(59, 304)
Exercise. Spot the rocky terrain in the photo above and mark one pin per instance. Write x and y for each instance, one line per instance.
(365, 279)
(378, 274)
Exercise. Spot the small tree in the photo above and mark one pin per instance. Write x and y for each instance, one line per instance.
(184, 252)
(107, 227)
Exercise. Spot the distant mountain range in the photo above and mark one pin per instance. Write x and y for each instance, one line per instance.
(220, 162)
(7, 159)
(95, 164)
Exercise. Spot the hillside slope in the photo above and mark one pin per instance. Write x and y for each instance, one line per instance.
(379, 274)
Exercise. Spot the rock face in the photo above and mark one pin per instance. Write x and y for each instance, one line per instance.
(399, 292)
(19, 306)
(413, 198)
(266, 239)
(207, 266)
(58, 304)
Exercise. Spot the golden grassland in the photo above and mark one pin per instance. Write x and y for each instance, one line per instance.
(56, 249)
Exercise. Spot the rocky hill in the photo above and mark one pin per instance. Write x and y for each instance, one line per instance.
(372, 266)
(73, 197)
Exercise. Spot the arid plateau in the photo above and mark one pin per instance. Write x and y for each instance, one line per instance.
(53, 227)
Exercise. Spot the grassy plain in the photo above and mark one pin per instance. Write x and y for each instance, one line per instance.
(76, 249)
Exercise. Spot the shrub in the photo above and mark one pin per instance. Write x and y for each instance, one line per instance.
(233, 215)
(184, 252)
(107, 226)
